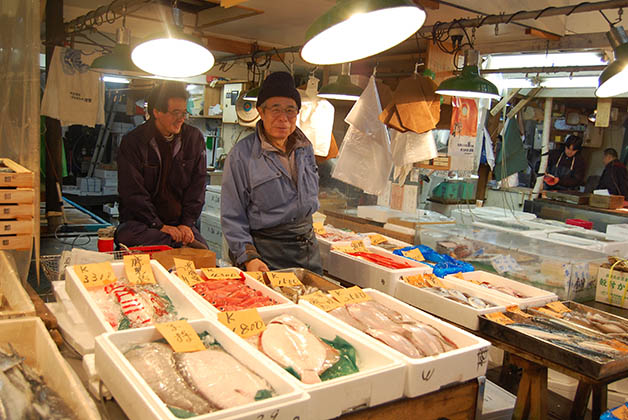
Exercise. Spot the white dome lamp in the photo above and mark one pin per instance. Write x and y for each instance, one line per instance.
(614, 79)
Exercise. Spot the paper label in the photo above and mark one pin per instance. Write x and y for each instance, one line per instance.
(415, 254)
(187, 272)
(351, 295)
(459, 276)
(319, 229)
(138, 270)
(257, 275)
(558, 307)
(377, 239)
(516, 310)
(95, 275)
(181, 336)
(549, 312)
(284, 279)
(358, 246)
(322, 301)
(416, 280)
(433, 281)
(245, 323)
(500, 318)
(621, 412)
(226, 273)
(505, 264)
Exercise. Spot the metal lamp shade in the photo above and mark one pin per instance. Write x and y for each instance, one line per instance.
(468, 85)
(342, 89)
(614, 79)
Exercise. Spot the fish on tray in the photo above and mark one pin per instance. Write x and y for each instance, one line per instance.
(598, 322)
(232, 295)
(461, 297)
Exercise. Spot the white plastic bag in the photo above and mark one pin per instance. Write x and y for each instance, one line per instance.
(408, 148)
(316, 120)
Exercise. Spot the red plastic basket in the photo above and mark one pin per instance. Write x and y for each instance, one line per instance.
(579, 222)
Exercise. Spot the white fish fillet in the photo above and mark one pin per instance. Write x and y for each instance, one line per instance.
(371, 317)
(396, 341)
(220, 378)
(342, 314)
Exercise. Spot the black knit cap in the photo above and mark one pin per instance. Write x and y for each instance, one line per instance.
(281, 84)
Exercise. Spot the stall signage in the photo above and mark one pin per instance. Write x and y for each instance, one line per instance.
(245, 323)
(284, 279)
(187, 272)
(377, 239)
(95, 275)
(257, 275)
(138, 270)
(433, 281)
(558, 307)
(322, 301)
(414, 253)
(500, 318)
(549, 312)
(516, 310)
(350, 295)
(181, 336)
(226, 273)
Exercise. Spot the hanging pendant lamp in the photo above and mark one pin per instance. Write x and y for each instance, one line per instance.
(342, 89)
(469, 84)
(118, 61)
(173, 53)
(355, 29)
(614, 79)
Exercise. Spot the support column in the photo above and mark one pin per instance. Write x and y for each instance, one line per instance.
(547, 126)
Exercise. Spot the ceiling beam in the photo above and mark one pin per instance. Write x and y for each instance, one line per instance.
(232, 46)
(217, 15)
(568, 42)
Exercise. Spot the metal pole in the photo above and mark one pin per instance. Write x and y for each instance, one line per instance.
(547, 122)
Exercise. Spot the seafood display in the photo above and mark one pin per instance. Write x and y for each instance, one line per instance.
(442, 264)
(310, 283)
(291, 344)
(500, 288)
(198, 382)
(126, 305)
(381, 260)
(405, 334)
(432, 284)
(232, 294)
(23, 393)
(333, 234)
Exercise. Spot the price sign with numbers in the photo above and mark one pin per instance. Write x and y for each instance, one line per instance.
(347, 249)
(245, 323)
(138, 270)
(187, 272)
(499, 318)
(95, 275)
(283, 279)
(358, 246)
(515, 309)
(319, 229)
(433, 281)
(549, 312)
(226, 273)
(558, 307)
(351, 295)
(415, 254)
(257, 275)
(181, 336)
(377, 239)
(321, 300)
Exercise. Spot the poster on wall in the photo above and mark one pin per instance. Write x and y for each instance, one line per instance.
(462, 141)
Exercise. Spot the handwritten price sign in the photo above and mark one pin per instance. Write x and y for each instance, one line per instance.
(138, 270)
(415, 254)
(284, 279)
(181, 336)
(558, 307)
(257, 275)
(95, 275)
(499, 318)
(377, 239)
(228, 273)
(187, 272)
(516, 310)
(351, 295)
(322, 301)
(245, 323)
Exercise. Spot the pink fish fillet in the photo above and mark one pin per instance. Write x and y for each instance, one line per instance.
(289, 342)
(220, 378)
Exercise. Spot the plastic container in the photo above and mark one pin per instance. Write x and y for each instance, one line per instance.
(498, 403)
(17, 302)
(579, 222)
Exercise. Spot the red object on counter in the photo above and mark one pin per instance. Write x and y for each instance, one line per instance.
(382, 260)
(579, 222)
(231, 295)
(105, 244)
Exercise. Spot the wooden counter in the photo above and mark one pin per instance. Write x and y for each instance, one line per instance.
(557, 210)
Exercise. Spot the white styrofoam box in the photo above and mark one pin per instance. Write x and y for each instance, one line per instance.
(617, 232)
(466, 215)
(461, 314)
(324, 244)
(381, 375)
(71, 323)
(139, 401)
(390, 241)
(212, 198)
(92, 315)
(525, 227)
(587, 239)
(498, 403)
(380, 214)
(536, 296)
(427, 374)
(367, 274)
(211, 229)
(211, 311)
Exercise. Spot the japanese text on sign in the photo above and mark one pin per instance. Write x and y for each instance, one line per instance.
(351, 295)
(322, 301)
(558, 307)
(377, 239)
(187, 272)
(181, 336)
(221, 273)
(245, 323)
(414, 254)
(283, 279)
(257, 275)
(138, 270)
(499, 318)
(515, 309)
(94, 275)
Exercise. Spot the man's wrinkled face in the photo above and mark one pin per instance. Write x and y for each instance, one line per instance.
(169, 122)
(279, 116)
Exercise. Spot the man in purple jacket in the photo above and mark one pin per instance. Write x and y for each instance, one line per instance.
(161, 175)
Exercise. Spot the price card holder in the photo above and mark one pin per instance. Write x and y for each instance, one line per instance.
(558, 307)
(516, 310)
(322, 301)
(257, 275)
(226, 273)
(138, 270)
(283, 279)
(319, 229)
(351, 295)
(187, 272)
(500, 318)
(95, 275)
(181, 336)
(377, 239)
(415, 254)
(245, 323)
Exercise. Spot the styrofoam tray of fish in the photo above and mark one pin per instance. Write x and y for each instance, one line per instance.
(462, 308)
(226, 380)
(249, 281)
(425, 346)
(390, 244)
(380, 377)
(367, 274)
(517, 293)
(29, 338)
(14, 301)
(98, 322)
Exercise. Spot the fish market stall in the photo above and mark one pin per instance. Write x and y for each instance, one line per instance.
(329, 235)
(586, 239)
(310, 282)
(556, 210)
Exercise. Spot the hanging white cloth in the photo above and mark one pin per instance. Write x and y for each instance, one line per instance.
(73, 94)
(408, 148)
(316, 120)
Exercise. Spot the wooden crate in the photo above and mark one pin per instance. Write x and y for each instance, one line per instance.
(606, 201)
(16, 211)
(16, 227)
(14, 175)
(17, 196)
(16, 241)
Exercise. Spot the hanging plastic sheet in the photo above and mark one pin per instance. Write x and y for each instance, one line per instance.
(365, 159)
(316, 119)
(408, 148)
(462, 142)
(511, 158)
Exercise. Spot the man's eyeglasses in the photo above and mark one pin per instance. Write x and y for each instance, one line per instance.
(179, 114)
(277, 110)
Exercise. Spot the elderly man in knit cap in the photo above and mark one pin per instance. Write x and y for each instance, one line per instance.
(270, 187)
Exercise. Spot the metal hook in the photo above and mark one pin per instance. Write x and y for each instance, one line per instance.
(416, 68)
(375, 68)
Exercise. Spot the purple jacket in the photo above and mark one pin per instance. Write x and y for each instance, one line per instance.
(139, 171)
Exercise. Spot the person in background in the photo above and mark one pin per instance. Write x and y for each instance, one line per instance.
(270, 187)
(614, 177)
(566, 168)
(161, 175)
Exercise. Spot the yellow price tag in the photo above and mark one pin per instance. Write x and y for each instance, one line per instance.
(558, 307)
(416, 280)
(319, 229)
(227, 273)
(138, 270)
(187, 272)
(257, 275)
(95, 275)
(515, 309)
(621, 412)
(245, 323)
(347, 249)
(358, 246)
(499, 318)
(322, 301)
(377, 239)
(549, 312)
(351, 295)
(181, 336)
(433, 281)
(283, 279)
(414, 254)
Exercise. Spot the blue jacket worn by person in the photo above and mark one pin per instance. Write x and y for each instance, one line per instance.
(261, 199)
(148, 197)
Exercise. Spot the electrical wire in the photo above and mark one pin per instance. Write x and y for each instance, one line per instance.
(73, 242)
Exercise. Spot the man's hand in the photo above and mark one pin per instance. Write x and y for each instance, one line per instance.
(187, 234)
(256, 265)
(174, 233)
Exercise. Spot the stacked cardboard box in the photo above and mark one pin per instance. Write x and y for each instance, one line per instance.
(17, 203)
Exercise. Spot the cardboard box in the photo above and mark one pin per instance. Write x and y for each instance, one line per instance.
(611, 287)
